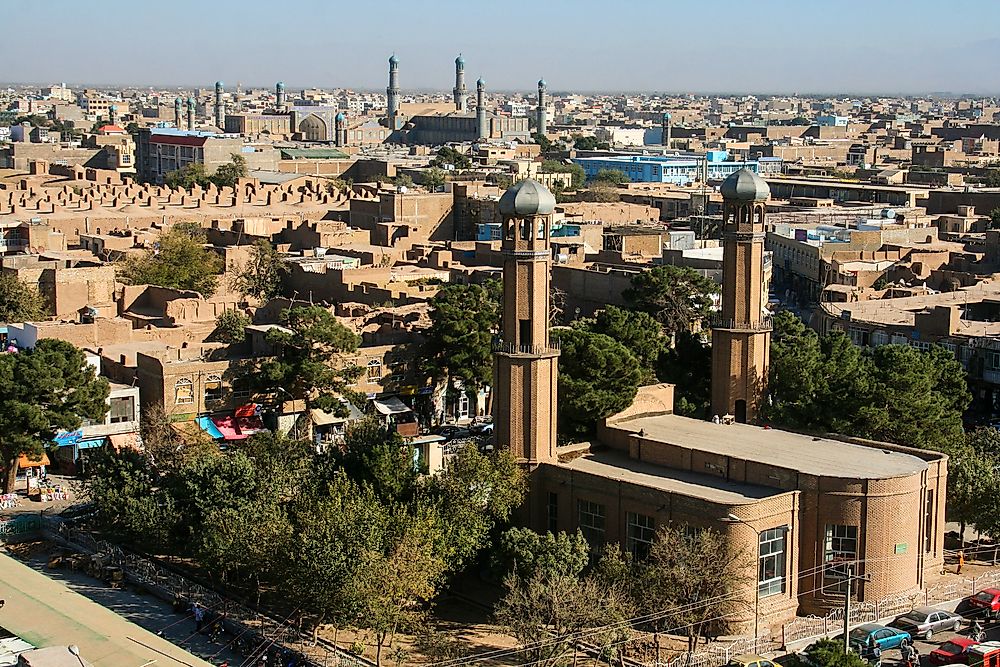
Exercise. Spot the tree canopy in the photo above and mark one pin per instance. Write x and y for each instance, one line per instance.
(598, 376)
(231, 326)
(19, 301)
(894, 393)
(636, 330)
(179, 260)
(582, 143)
(229, 174)
(688, 366)
(458, 344)
(264, 273)
(677, 297)
(194, 173)
(45, 389)
(613, 176)
(577, 175)
(602, 192)
(305, 364)
(452, 156)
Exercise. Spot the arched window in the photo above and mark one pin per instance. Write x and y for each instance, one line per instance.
(374, 370)
(213, 388)
(183, 391)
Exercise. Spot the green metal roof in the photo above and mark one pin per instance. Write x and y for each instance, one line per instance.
(312, 154)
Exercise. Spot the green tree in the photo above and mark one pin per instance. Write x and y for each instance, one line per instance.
(688, 366)
(525, 552)
(613, 176)
(576, 174)
(262, 277)
(602, 192)
(45, 389)
(582, 143)
(542, 141)
(229, 174)
(434, 178)
(180, 261)
(187, 177)
(828, 652)
(678, 297)
(685, 568)
(475, 495)
(636, 330)
(306, 354)
(546, 606)
(458, 343)
(995, 218)
(598, 377)
(376, 456)
(231, 326)
(403, 180)
(449, 155)
(19, 301)
(795, 373)
(992, 178)
(973, 475)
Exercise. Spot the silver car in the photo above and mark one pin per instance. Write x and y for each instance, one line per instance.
(925, 621)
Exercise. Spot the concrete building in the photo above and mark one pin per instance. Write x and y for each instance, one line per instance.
(162, 150)
(679, 170)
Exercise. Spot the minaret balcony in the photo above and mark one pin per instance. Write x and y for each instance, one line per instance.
(543, 253)
(500, 346)
(763, 324)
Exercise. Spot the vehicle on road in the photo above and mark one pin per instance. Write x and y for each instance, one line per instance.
(483, 429)
(750, 660)
(923, 622)
(886, 638)
(987, 600)
(452, 431)
(986, 654)
(955, 651)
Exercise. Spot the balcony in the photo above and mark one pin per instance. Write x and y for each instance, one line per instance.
(501, 346)
(764, 324)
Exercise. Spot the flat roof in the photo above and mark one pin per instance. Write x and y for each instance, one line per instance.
(612, 464)
(46, 612)
(823, 457)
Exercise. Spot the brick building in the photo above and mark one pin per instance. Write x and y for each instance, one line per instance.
(799, 507)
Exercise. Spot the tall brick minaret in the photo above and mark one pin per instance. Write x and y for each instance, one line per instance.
(526, 368)
(741, 333)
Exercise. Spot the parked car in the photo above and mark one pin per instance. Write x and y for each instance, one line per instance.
(750, 660)
(452, 431)
(483, 429)
(952, 652)
(925, 621)
(986, 654)
(886, 638)
(987, 600)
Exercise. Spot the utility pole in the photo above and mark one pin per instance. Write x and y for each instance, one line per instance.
(849, 578)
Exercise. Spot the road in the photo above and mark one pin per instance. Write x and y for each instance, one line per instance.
(925, 647)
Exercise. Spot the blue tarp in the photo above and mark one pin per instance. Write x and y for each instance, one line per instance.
(209, 427)
(91, 443)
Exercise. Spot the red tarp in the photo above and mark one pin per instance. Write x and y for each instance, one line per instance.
(237, 428)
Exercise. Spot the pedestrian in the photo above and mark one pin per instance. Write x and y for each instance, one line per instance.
(961, 561)
(906, 653)
(199, 616)
(874, 653)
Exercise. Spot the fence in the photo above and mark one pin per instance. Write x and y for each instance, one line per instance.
(14, 528)
(261, 631)
(720, 654)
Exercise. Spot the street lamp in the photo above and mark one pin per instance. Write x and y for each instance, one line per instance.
(731, 519)
(295, 421)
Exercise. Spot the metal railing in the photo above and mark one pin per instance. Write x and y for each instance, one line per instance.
(503, 347)
(764, 324)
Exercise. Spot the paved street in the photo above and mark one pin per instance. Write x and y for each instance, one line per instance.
(75, 608)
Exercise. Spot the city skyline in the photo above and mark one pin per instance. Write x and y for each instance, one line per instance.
(888, 48)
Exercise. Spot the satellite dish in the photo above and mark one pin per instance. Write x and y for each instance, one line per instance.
(401, 189)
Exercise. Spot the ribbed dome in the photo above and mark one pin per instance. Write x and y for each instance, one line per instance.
(541, 83)
(280, 85)
(744, 185)
(218, 84)
(393, 60)
(529, 197)
(480, 83)
(459, 60)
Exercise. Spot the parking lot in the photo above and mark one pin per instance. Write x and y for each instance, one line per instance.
(925, 647)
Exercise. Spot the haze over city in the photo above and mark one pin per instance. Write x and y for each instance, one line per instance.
(859, 46)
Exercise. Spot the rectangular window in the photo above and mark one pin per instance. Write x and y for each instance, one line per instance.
(591, 522)
(639, 531)
(213, 388)
(525, 333)
(553, 513)
(771, 562)
(241, 388)
(841, 549)
(929, 523)
(122, 410)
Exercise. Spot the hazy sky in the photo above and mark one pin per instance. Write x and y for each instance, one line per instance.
(576, 45)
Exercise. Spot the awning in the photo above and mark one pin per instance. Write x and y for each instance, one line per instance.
(24, 462)
(390, 406)
(91, 443)
(237, 428)
(122, 441)
(324, 418)
(208, 426)
(66, 438)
